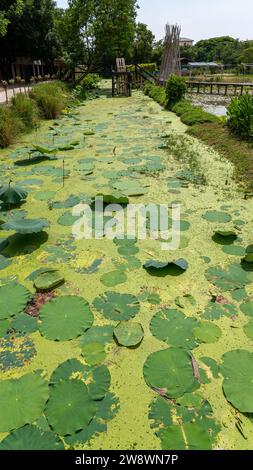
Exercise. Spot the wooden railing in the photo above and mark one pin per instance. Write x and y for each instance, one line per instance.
(219, 88)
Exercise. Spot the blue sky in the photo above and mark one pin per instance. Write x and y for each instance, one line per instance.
(199, 19)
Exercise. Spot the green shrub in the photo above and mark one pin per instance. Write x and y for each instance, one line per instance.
(10, 126)
(51, 98)
(191, 115)
(90, 82)
(80, 93)
(25, 109)
(240, 116)
(176, 88)
(156, 92)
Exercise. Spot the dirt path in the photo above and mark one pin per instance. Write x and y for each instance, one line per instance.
(125, 133)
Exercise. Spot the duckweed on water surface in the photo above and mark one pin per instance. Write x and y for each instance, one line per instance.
(116, 340)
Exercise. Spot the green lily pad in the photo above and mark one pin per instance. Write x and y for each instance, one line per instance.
(175, 328)
(12, 195)
(48, 280)
(30, 437)
(190, 436)
(114, 198)
(13, 299)
(233, 278)
(93, 353)
(246, 308)
(24, 323)
(249, 254)
(160, 268)
(117, 307)
(44, 195)
(67, 219)
(129, 188)
(129, 334)
(98, 334)
(128, 250)
(207, 332)
(65, 318)
(113, 278)
(22, 401)
(237, 370)
(233, 250)
(24, 226)
(69, 408)
(171, 372)
(216, 216)
(248, 329)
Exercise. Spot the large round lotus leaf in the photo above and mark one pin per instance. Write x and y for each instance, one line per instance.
(48, 280)
(160, 268)
(117, 306)
(233, 250)
(216, 216)
(100, 383)
(65, 318)
(70, 407)
(67, 219)
(70, 369)
(246, 308)
(114, 198)
(128, 250)
(24, 323)
(44, 195)
(31, 438)
(248, 329)
(93, 353)
(24, 226)
(22, 401)
(249, 254)
(98, 334)
(129, 188)
(113, 278)
(171, 372)
(12, 194)
(175, 328)
(235, 277)
(207, 332)
(129, 334)
(190, 436)
(237, 370)
(13, 299)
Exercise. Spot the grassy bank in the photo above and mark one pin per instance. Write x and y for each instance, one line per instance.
(45, 101)
(235, 150)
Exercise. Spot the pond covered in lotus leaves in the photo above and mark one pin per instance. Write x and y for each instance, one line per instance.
(180, 376)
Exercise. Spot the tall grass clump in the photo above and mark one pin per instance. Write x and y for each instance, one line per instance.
(51, 98)
(10, 126)
(26, 109)
(240, 116)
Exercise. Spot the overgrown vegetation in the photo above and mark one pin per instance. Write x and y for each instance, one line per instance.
(191, 115)
(46, 101)
(51, 98)
(188, 113)
(176, 88)
(156, 92)
(10, 126)
(240, 116)
(235, 150)
(27, 110)
(90, 82)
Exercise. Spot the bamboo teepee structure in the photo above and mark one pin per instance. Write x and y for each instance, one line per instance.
(171, 57)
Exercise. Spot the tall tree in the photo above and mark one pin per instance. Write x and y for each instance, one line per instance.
(9, 9)
(32, 33)
(143, 44)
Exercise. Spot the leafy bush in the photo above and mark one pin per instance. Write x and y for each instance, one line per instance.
(191, 115)
(10, 125)
(25, 109)
(51, 98)
(240, 116)
(176, 88)
(90, 82)
(79, 93)
(156, 92)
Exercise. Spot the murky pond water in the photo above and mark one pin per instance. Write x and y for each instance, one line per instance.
(120, 135)
(213, 104)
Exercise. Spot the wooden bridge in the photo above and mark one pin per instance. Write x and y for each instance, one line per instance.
(219, 88)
